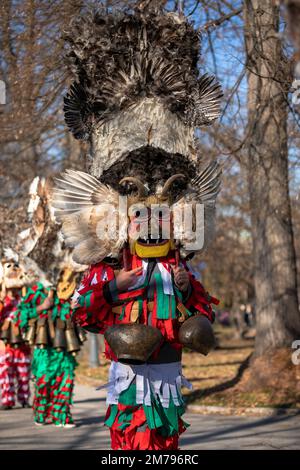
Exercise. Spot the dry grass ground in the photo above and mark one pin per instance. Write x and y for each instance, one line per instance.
(224, 377)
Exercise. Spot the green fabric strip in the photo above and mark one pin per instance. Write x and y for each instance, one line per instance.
(162, 311)
(173, 306)
(124, 419)
(121, 317)
(166, 419)
(128, 397)
(113, 413)
(140, 307)
(88, 297)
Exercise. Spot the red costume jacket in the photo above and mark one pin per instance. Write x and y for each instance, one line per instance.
(96, 309)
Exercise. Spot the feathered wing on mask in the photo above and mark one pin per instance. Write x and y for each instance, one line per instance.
(203, 190)
(92, 221)
(11, 254)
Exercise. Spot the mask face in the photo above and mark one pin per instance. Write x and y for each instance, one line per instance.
(67, 284)
(31, 277)
(14, 275)
(150, 234)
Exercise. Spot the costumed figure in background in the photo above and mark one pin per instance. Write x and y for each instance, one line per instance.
(44, 313)
(45, 316)
(138, 98)
(15, 361)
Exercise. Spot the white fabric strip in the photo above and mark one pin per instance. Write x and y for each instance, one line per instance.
(161, 380)
(141, 278)
(167, 279)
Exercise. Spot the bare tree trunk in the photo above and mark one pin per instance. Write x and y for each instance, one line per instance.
(269, 78)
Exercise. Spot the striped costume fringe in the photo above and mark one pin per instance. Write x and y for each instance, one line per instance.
(52, 401)
(54, 384)
(142, 427)
(15, 367)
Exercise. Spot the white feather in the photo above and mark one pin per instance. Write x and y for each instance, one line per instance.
(86, 207)
(10, 254)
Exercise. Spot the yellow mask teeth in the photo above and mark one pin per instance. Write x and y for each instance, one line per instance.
(152, 251)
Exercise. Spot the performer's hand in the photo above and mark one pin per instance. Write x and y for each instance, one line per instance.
(45, 305)
(181, 278)
(74, 304)
(126, 279)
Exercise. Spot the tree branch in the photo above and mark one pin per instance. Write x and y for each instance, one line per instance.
(222, 19)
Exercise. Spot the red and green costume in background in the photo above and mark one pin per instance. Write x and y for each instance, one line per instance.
(145, 402)
(53, 370)
(15, 362)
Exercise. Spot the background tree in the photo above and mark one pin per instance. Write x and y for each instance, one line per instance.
(269, 81)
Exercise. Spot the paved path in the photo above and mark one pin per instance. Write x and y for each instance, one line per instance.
(17, 430)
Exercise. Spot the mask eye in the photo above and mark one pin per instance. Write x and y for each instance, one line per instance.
(8, 265)
(142, 215)
(16, 265)
(161, 213)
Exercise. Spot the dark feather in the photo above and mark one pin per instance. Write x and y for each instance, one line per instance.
(124, 57)
(207, 184)
(76, 111)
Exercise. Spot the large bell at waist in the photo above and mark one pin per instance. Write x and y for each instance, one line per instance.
(31, 332)
(60, 342)
(81, 334)
(15, 336)
(133, 343)
(73, 343)
(197, 334)
(42, 335)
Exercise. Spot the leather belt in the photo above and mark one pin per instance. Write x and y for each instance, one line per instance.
(134, 314)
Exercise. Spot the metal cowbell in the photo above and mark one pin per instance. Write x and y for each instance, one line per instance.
(31, 332)
(133, 343)
(60, 342)
(15, 335)
(197, 334)
(73, 344)
(42, 338)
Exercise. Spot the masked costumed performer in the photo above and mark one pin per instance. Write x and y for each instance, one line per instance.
(44, 314)
(138, 290)
(15, 361)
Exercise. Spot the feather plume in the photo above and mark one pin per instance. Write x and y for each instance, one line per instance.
(85, 207)
(203, 189)
(118, 59)
(11, 255)
(208, 183)
(77, 111)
